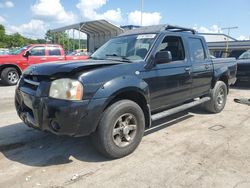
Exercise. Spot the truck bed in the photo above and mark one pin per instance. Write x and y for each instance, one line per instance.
(226, 63)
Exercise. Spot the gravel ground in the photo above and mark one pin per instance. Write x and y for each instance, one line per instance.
(190, 149)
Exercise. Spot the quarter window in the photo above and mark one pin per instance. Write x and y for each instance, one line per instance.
(197, 49)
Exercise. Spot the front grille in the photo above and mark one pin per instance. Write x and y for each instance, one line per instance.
(33, 81)
(35, 78)
(31, 84)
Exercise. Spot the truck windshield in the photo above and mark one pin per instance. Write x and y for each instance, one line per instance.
(18, 50)
(126, 48)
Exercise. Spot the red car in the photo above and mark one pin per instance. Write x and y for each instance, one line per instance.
(12, 65)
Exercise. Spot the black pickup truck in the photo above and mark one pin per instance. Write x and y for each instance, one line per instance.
(134, 79)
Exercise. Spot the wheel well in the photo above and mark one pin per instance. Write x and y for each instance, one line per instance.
(225, 80)
(2, 67)
(138, 98)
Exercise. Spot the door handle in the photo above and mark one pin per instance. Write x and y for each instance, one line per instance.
(43, 59)
(60, 58)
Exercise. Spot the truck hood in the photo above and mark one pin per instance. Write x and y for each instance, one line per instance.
(57, 68)
(6, 58)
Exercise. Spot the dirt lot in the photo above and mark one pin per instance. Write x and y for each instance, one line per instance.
(195, 150)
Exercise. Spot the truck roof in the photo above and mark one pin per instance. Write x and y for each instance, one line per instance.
(158, 29)
(45, 45)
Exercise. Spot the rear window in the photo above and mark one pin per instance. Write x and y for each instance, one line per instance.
(54, 51)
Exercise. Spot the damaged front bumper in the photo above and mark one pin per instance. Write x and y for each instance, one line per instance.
(61, 117)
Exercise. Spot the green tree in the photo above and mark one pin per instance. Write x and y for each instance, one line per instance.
(2, 30)
(49, 36)
(2, 36)
(63, 39)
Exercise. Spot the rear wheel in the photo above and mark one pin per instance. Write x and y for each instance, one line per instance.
(120, 130)
(10, 76)
(218, 98)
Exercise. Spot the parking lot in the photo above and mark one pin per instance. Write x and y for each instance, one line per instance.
(192, 149)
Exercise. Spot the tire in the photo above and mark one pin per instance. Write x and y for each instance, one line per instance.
(120, 129)
(218, 98)
(10, 76)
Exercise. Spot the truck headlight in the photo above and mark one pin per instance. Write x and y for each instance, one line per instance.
(66, 89)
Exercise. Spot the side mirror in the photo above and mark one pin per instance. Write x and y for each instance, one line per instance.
(163, 57)
(26, 54)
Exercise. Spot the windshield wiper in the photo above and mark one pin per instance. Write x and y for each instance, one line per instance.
(95, 58)
(123, 58)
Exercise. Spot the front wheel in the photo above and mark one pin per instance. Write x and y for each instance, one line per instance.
(10, 76)
(218, 98)
(120, 130)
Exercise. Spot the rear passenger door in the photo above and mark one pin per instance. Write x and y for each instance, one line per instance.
(54, 53)
(202, 67)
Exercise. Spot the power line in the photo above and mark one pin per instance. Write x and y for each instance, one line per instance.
(228, 34)
(141, 11)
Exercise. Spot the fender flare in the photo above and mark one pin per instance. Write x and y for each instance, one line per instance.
(119, 85)
(222, 72)
(6, 65)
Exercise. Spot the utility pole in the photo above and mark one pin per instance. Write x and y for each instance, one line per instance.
(141, 11)
(228, 33)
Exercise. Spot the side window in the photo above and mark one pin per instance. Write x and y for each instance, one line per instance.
(197, 49)
(54, 51)
(37, 51)
(173, 44)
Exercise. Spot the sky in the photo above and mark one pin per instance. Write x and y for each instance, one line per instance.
(32, 18)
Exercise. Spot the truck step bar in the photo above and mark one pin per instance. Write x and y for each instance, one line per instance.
(179, 108)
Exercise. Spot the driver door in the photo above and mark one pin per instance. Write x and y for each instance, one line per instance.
(37, 55)
(170, 83)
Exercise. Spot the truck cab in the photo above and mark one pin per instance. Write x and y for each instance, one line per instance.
(187, 74)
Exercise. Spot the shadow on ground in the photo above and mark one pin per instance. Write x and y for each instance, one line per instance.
(241, 86)
(1, 84)
(31, 147)
(35, 148)
(199, 110)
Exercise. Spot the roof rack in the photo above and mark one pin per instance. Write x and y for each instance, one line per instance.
(179, 29)
(158, 28)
